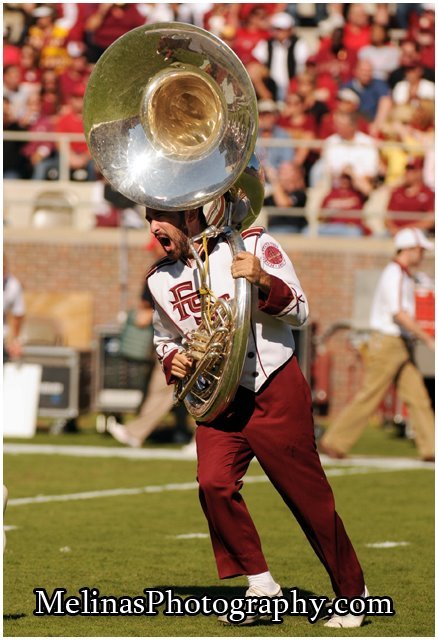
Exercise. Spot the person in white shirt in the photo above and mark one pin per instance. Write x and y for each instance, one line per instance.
(13, 314)
(383, 55)
(353, 151)
(389, 359)
(284, 54)
(262, 420)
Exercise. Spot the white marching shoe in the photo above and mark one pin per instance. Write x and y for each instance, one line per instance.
(349, 621)
(252, 592)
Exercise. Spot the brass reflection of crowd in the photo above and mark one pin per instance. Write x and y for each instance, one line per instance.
(351, 86)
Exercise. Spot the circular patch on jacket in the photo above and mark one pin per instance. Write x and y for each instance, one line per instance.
(272, 255)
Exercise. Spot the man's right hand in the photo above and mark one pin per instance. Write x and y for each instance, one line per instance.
(430, 342)
(181, 365)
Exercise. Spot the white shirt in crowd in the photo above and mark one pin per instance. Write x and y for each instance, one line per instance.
(360, 154)
(279, 68)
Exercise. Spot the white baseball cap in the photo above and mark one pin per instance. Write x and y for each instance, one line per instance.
(282, 20)
(411, 237)
(267, 106)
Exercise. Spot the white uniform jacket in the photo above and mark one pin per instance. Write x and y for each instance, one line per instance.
(175, 288)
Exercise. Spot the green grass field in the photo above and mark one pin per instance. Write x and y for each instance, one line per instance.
(123, 544)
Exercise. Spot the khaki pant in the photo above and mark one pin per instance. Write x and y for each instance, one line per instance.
(158, 403)
(388, 361)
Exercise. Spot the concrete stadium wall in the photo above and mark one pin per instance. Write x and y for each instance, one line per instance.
(74, 260)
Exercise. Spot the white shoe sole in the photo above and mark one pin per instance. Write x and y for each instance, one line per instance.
(348, 621)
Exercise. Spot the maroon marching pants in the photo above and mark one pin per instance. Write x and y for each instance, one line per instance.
(276, 426)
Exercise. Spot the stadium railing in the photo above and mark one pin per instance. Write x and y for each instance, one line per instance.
(21, 196)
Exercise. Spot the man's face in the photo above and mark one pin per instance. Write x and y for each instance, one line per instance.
(170, 229)
(416, 255)
(364, 72)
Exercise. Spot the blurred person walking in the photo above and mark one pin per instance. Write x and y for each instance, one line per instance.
(13, 314)
(159, 400)
(390, 355)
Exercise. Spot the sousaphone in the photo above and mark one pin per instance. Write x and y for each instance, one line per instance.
(170, 117)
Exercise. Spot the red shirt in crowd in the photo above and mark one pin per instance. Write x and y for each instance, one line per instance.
(69, 82)
(327, 126)
(116, 23)
(401, 200)
(72, 123)
(245, 41)
(356, 37)
(344, 199)
(296, 127)
(338, 65)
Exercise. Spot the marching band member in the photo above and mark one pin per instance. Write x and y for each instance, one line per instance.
(270, 417)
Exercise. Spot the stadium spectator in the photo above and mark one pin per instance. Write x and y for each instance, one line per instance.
(422, 30)
(413, 86)
(317, 12)
(375, 100)
(80, 162)
(14, 166)
(283, 53)
(108, 22)
(347, 101)
(70, 121)
(411, 196)
(343, 197)
(16, 92)
(50, 93)
(405, 12)
(333, 57)
(409, 57)
(270, 156)
(48, 37)
(383, 55)
(350, 151)
(76, 74)
(29, 66)
(159, 11)
(357, 30)
(299, 124)
(76, 14)
(23, 20)
(288, 190)
(38, 152)
(314, 98)
(193, 12)
(223, 17)
(11, 53)
(253, 30)
(325, 85)
(412, 127)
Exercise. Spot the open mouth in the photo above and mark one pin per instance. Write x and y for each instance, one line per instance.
(165, 241)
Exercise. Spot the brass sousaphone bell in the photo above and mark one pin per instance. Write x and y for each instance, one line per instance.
(170, 117)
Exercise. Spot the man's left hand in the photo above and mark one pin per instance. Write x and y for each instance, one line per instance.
(248, 266)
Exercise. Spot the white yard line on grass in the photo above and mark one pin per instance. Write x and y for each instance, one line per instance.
(181, 486)
(177, 454)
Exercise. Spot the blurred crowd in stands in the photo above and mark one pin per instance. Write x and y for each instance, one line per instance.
(345, 91)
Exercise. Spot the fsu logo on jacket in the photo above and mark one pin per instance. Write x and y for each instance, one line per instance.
(186, 301)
